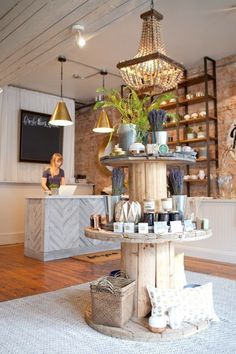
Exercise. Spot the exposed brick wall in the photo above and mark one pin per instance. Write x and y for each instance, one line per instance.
(87, 143)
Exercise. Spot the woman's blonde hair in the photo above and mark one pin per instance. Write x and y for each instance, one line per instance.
(57, 156)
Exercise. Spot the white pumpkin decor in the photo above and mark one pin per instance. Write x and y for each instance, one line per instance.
(157, 324)
(127, 211)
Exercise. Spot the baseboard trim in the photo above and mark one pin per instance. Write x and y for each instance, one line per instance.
(206, 253)
(11, 238)
(59, 254)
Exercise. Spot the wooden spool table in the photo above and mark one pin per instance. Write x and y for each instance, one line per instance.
(147, 258)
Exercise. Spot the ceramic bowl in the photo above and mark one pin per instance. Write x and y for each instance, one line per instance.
(187, 116)
(199, 94)
(202, 114)
(163, 103)
(186, 148)
(194, 177)
(201, 135)
(194, 115)
(189, 96)
(172, 100)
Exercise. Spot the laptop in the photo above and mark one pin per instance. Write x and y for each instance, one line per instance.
(67, 190)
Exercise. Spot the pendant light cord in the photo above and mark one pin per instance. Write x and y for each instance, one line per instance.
(152, 5)
(61, 77)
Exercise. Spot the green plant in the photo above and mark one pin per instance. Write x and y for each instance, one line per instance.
(190, 130)
(132, 108)
(200, 129)
(53, 186)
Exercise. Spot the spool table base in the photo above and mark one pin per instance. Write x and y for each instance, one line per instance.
(137, 329)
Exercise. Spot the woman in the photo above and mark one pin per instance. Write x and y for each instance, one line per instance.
(53, 176)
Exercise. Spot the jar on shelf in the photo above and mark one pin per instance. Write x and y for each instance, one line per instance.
(202, 152)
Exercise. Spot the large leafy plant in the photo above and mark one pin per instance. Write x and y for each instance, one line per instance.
(132, 108)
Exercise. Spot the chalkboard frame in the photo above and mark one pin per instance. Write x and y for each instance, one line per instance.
(33, 132)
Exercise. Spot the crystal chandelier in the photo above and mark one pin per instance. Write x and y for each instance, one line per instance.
(151, 68)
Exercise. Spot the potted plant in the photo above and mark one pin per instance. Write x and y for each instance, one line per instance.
(175, 183)
(190, 133)
(200, 132)
(133, 110)
(157, 120)
(54, 188)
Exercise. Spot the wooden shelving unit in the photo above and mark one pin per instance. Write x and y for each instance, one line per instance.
(207, 84)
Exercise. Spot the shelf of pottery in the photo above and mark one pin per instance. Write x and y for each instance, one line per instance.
(148, 226)
(196, 106)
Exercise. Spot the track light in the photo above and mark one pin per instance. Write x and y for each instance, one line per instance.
(80, 40)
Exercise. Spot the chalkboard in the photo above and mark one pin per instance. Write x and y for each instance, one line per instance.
(38, 139)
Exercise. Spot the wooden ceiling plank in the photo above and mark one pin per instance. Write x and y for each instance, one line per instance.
(42, 53)
(14, 12)
(49, 34)
(43, 58)
(119, 13)
(25, 52)
(37, 23)
(28, 9)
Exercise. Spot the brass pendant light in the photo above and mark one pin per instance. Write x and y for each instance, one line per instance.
(61, 116)
(103, 124)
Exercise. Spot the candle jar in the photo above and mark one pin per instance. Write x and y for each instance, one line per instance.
(148, 205)
(174, 215)
(163, 216)
(166, 204)
(148, 218)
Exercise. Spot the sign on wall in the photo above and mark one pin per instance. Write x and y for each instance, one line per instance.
(38, 139)
(231, 140)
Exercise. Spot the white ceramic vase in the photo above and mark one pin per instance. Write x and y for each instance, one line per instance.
(159, 137)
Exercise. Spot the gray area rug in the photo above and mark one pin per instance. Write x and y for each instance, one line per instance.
(53, 323)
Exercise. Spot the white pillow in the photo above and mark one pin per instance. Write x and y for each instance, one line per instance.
(163, 299)
(196, 304)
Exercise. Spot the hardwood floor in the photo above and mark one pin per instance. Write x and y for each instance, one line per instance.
(22, 276)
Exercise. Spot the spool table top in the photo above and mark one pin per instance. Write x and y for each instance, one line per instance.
(185, 236)
(127, 160)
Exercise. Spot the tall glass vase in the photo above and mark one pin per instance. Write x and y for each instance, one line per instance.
(110, 203)
(179, 204)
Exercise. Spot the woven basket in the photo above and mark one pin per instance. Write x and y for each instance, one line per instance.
(112, 300)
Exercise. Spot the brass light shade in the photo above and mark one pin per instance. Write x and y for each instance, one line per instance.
(151, 68)
(61, 116)
(103, 124)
